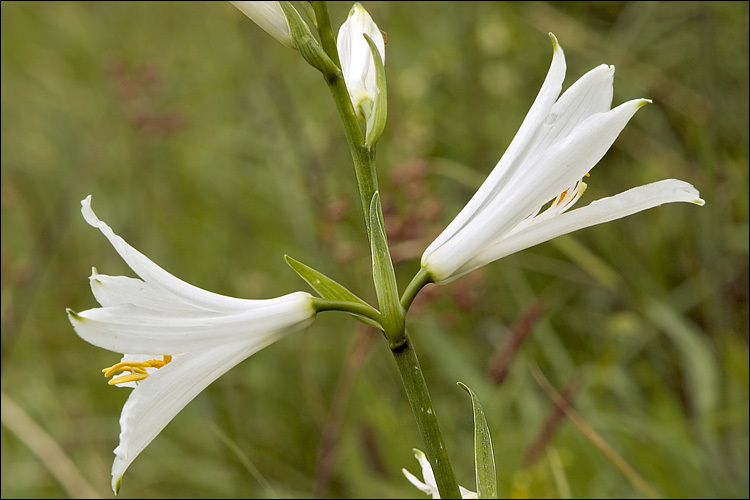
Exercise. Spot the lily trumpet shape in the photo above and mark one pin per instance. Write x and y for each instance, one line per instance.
(357, 63)
(429, 486)
(176, 339)
(561, 139)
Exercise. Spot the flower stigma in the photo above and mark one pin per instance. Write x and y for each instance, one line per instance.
(137, 369)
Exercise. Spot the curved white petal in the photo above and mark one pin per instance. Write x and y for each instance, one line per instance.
(429, 486)
(558, 167)
(130, 329)
(561, 165)
(357, 63)
(157, 399)
(589, 95)
(270, 17)
(509, 163)
(604, 210)
(162, 281)
(121, 290)
(424, 488)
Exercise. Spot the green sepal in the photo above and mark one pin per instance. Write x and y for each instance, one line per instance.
(306, 44)
(310, 12)
(331, 290)
(484, 460)
(379, 113)
(385, 277)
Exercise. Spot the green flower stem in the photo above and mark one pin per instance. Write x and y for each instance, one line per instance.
(406, 358)
(424, 414)
(365, 310)
(323, 23)
(417, 283)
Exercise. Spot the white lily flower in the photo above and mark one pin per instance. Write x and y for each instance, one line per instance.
(357, 63)
(176, 339)
(561, 139)
(429, 486)
(270, 17)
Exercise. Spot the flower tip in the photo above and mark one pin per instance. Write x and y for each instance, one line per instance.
(72, 315)
(643, 102)
(699, 201)
(555, 43)
(116, 484)
(88, 212)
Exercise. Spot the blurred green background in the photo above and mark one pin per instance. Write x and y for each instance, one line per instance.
(215, 150)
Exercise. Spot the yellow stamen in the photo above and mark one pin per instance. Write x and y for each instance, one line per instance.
(133, 377)
(560, 197)
(137, 369)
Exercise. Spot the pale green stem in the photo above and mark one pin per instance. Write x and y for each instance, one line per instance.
(424, 414)
(401, 347)
(365, 310)
(417, 283)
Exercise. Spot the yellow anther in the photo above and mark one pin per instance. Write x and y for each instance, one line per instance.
(124, 365)
(137, 369)
(133, 377)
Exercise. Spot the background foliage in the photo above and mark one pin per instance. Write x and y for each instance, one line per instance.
(215, 150)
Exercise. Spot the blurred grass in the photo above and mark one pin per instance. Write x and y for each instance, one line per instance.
(215, 150)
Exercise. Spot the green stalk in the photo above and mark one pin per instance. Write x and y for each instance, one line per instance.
(424, 414)
(365, 310)
(392, 312)
(417, 283)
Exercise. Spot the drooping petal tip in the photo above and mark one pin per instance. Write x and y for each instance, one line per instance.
(555, 43)
(642, 102)
(88, 212)
(72, 315)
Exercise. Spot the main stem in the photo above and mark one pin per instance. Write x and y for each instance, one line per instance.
(424, 414)
(401, 347)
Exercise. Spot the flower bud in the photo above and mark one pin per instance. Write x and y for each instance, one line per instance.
(357, 62)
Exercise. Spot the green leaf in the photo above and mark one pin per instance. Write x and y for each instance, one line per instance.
(330, 289)
(379, 113)
(483, 456)
(385, 277)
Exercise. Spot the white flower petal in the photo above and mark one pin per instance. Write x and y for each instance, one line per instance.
(604, 210)
(561, 165)
(509, 163)
(270, 17)
(162, 281)
(121, 290)
(130, 329)
(589, 95)
(427, 474)
(156, 400)
(426, 489)
(429, 486)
